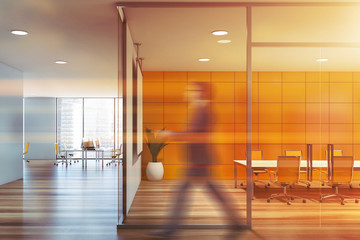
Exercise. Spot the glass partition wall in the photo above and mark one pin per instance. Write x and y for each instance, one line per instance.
(303, 79)
(168, 103)
(307, 88)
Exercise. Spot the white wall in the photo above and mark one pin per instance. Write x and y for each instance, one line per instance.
(40, 86)
(133, 164)
(11, 124)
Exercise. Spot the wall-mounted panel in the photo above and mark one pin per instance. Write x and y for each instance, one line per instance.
(11, 124)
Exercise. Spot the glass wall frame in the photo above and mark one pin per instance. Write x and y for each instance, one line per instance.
(250, 46)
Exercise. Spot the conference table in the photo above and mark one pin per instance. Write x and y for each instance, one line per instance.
(84, 154)
(262, 164)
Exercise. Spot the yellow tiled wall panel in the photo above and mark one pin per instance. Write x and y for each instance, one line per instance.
(199, 76)
(223, 77)
(293, 77)
(223, 92)
(293, 112)
(175, 92)
(270, 112)
(153, 92)
(153, 76)
(270, 92)
(223, 153)
(318, 77)
(341, 92)
(153, 112)
(175, 76)
(289, 110)
(317, 92)
(270, 77)
(293, 92)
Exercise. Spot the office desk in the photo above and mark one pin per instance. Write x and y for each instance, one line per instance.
(84, 155)
(261, 164)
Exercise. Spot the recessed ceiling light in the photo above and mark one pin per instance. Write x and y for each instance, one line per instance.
(60, 62)
(204, 59)
(322, 60)
(19, 32)
(219, 33)
(224, 41)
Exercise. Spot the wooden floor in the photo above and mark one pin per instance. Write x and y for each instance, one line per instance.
(275, 220)
(60, 203)
(70, 203)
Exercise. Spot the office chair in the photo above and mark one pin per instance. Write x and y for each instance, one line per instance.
(298, 153)
(257, 155)
(342, 173)
(61, 156)
(26, 151)
(115, 156)
(287, 173)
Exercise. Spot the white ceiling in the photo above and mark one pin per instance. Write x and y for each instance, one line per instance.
(84, 32)
(173, 39)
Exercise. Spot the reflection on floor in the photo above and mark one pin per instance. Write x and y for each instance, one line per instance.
(69, 203)
(275, 220)
(154, 200)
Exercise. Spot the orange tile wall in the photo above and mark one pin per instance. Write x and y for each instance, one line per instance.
(290, 109)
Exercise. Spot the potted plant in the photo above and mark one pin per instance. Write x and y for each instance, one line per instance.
(155, 142)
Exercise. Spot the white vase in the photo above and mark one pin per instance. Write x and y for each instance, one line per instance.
(154, 171)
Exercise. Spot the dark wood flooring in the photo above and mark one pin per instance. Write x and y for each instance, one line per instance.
(73, 203)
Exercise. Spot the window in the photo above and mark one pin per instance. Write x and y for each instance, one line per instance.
(70, 122)
(89, 118)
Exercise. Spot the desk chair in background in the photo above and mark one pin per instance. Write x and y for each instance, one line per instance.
(26, 151)
(287, 173)
(59, 155)
(115, 155)
(71, 154)
(342, 174)
(257, 155)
